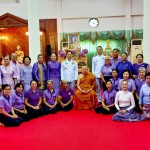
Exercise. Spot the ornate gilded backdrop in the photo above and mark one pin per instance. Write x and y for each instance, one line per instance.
(13, 32)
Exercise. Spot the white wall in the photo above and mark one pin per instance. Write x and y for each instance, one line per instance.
(75, 14)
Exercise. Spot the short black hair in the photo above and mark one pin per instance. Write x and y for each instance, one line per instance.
(99, 47)
(109, 81)
(115, 70)
(33, 81)
(68, 52)
(125, 53)
(127, 71)
(115, 49)
(139, 55)
(18, 85)
(25, 58)
(39, 55)
(5, 85)
(148, 74)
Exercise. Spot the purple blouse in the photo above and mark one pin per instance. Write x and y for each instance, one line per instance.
(53, 69)
(66, 95)
(115, 62)
(115, 83)
(5, 103)
(109, 96)
(35, 72)
(138, 84)
(131, 85)
(33, 98)
(107, 71)
(136, 66)
(50, 96)
(17, 100)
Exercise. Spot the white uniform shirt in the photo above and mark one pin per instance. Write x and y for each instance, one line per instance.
(69, 70)
(97, 63)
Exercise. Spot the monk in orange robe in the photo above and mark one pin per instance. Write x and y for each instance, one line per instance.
(85, 94)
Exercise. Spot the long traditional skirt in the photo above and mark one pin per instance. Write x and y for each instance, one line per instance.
(146, 111)
(56, 84)
(129, 116)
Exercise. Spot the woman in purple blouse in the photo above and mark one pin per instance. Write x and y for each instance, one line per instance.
(7, 114)
(26, 73)
(18, 102)
(138, 83)
(54, 72)
(140, 63)
(127, 77)
(8, 74)
(65, 97)
(108, 100)
(115, 79)
(50, 98)
(106, 72)
(33, 100)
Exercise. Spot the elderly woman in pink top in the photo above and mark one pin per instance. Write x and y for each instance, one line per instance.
(8, 73)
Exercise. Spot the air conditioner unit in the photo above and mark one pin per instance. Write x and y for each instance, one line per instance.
(136, 48)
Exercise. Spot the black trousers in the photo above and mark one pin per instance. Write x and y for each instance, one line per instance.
(33, 113)
(25, 117)
(47, 110)
(10, 122)
(104, 111)
(66, 108)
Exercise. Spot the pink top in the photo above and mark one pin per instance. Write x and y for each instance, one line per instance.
(7, 73)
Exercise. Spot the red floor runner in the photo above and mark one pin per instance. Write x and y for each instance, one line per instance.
(76, 130)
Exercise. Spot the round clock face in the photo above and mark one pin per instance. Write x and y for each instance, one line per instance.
(93, 22)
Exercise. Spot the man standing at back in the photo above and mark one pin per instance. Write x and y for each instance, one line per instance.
(97, 63)
(69, 70)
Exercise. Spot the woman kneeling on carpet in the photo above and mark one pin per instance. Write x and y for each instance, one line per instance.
(65, 97)
(7, 114)
(124, 102)
(144, 99)
(33, 99)
(50, 98)
(108, 100)
(18, 102)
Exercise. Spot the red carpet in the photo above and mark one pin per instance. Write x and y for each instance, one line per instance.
(76, 130)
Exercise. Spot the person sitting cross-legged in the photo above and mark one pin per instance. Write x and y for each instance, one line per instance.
(65, 98)
(85, 94)
(108, 100)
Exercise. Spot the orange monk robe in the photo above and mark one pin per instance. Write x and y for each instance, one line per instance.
(86, 100)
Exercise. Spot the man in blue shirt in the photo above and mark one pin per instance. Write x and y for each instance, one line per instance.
(124, 65)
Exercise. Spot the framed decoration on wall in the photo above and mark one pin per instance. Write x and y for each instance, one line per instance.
(74, 42)
(64, 46)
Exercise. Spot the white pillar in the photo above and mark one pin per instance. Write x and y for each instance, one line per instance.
(33, 29)
(146, 31)
(59, 21)
(128, 7)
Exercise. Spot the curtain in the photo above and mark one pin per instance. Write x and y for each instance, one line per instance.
(117, 39)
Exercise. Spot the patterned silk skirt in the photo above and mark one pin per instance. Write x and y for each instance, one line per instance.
(146, 111)
(129, 116)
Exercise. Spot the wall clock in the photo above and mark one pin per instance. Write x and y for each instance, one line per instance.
(93, 22)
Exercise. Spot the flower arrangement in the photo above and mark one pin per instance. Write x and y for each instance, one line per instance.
(83, 53)
(73, 52)
(61, 53)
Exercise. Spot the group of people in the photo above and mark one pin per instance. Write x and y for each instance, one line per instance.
(31, 91)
